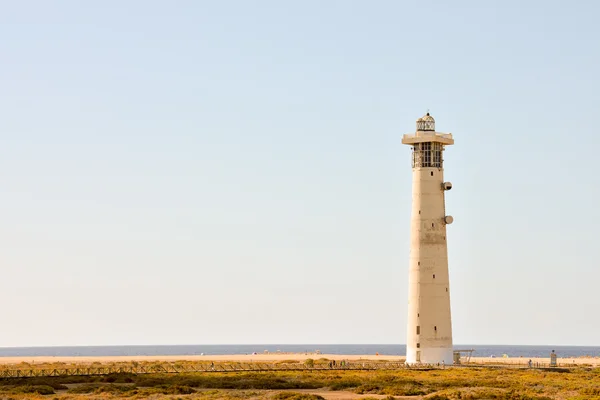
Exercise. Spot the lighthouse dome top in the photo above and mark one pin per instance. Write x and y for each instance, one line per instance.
(426, 123)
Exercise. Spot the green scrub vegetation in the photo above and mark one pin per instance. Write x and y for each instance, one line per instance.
(436, 384)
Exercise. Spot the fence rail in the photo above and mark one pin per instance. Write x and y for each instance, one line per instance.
(171, 368)
(535, 365)
(176, 368)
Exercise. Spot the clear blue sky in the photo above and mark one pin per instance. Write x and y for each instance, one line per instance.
(232, 172)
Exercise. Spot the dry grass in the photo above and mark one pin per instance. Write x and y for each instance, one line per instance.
(448, 384)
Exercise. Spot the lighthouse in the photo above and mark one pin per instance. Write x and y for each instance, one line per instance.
(429, 331)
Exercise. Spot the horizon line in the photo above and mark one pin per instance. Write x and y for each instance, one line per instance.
(290, 344)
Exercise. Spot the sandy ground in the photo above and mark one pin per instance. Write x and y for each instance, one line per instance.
(344, 395)
(235, 357)
(280, 357)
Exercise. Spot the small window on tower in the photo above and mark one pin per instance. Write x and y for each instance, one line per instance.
(418, 330)
(435, 328)
(431, 173)
(433, 276)
(418, 345)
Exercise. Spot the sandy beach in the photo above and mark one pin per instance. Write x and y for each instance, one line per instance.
(275, 357)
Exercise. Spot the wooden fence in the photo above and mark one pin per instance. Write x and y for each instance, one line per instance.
(177, 368)
(522, 365)
(174, 368)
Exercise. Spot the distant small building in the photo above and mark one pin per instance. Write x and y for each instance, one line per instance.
(553, 359)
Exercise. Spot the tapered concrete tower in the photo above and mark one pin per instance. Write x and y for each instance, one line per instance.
(429, 338)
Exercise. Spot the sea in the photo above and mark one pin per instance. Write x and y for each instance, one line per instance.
(382, 349)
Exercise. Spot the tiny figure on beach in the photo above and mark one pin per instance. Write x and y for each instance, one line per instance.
(530, 363)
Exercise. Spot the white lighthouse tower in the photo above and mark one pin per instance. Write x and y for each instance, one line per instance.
(429, 336)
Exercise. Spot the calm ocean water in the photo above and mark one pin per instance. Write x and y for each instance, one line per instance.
(390, 349)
